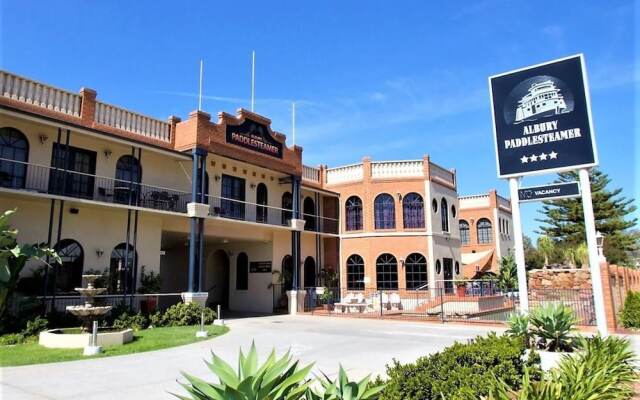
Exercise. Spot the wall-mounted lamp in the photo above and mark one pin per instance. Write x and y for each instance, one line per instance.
(402, 262)
(252, 185)
(99, 253)
(43, 138)
(216, 178)
(399, 196)
(107, 153)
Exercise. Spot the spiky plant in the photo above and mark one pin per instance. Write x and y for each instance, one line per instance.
(344, 389)
(518, 326)
(554, 324)
(276, 379)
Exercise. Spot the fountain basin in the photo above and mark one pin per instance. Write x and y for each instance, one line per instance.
(72, 338)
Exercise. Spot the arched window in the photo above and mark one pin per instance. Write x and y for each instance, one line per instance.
(413, 211)
(387, 272)
(416, 271)
(464, 232)
(355, 272)
(124, 260)
(262, 198)
(353, 213)
(128, 176)
(309, 214)
(206, 189)
(485, 234)
(438, 267)
(14, 152)
(309, 272)
(287, 272)
(444, 215)
(68, 275)
(384, 212)
(287, 204)
(242, 271)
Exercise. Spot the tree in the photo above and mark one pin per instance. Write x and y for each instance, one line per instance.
(508, 273)
(564, 221)
(532, 257)
(13, 258)
(546, 247)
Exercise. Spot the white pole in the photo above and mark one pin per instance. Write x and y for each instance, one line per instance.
(200, 89)
(519, 245)
(253, 77)
(293, 122)
(592, 245)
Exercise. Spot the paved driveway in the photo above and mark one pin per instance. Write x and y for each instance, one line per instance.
(362, 346)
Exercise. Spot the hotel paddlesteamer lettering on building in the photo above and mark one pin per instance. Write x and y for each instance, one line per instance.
(254, 136)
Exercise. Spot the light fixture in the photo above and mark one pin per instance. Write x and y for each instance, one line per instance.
(600, 243)
(399, 196)
(99, 252)
(107, 153)
(43, 138)
(252, 185)
(216, 178)
(402, 262)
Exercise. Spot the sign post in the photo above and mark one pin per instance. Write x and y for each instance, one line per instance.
(542, 124)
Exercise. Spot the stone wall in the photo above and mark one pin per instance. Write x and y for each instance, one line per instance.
(559, 279)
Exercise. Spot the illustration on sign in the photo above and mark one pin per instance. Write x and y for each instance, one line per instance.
(549, 192)
(542, 120)
(254, 136)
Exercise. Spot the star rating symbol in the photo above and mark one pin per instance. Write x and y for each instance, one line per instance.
(543, 156)
(553, 155)
(534, 158)
(524, 159)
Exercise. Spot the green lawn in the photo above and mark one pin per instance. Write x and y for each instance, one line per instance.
(144, 340)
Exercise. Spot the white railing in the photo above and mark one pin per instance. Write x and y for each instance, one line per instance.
(31, 92)
(392, 169)
(442, 174)
(120, 118)
(347, 173)
(310, 173)
(474, 201)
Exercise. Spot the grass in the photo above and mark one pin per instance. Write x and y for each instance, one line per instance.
(144, 340)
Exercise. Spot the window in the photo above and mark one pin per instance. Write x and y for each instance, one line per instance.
(387, 272)
(13, 146)
(484, 231)
(309, 214)
(438, 267)
(353, 213)
(434, 206)
(464, 232)
(453, 211)
(122, 268)
(262, 199)
(242, 271)
(384, 212)
(309, 272)
(206, 188)
(68, 275)
(444, 215)
(416, 271)
(128, 176)
(287, 273)
(457, 268)
(355, 272)
(287, 204)
(233, 196)
(68, 158)
(413, 211)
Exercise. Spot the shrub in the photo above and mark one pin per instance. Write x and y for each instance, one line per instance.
(11, 338)
(518, 326)
(131, 321)
(183, 314)
(149, 283)
(344, 389)
(274, 380)
(630, 315)
(35, 326)
(553, 324)
(461, 371)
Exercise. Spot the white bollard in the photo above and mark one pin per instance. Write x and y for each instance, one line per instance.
(92, 349)
(202, 332)
(219, 321)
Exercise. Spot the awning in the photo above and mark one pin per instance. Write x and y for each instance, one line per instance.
(472, 263)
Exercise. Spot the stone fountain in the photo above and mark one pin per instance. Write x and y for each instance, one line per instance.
(88, 338)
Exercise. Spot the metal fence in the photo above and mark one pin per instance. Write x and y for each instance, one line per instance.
(579, 300)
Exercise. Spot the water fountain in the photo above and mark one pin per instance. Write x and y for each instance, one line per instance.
(88, 338)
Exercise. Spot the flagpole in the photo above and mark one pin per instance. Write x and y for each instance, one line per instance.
(200, 88)
(253, 78)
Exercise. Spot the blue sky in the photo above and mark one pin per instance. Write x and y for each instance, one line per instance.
(391, 80)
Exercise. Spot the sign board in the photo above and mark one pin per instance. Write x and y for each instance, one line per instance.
(254, 136)
(553, 191)
(542, 119)
(260, 266)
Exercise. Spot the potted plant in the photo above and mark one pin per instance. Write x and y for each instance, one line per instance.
(325, 298)
(552, 327)
(461, 288)
(149, 283)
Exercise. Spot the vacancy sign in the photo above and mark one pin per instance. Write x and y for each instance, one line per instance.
(553, 191)
(542, 119)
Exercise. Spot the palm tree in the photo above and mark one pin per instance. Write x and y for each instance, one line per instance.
(546, 246)
(577, 256)
(508, 274)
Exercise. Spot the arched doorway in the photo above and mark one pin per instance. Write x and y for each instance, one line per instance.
(287, 272)
(216, 279)
(121, 268)
(128, 178)
(69, 273)
(309, 214)
(309, 272)
(261, 199)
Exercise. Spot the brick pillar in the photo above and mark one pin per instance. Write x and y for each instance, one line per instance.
(609, 307)
(426, 170)
(173, 121)
(88, 105)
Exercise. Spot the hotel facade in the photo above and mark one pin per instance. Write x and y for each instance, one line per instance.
(222, 209)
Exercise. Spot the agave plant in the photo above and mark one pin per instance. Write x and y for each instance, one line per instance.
(553, 324)
(344, 389)
(518, 325)
(276, 379)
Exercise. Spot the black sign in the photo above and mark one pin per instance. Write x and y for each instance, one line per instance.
(549, 192)
(255, 136)
(260, 266)
(542, 119)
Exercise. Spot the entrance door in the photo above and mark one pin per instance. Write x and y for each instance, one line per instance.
(216, 281)
(447, 264)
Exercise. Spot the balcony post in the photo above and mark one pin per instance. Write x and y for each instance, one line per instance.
(295, 235)
(203, 183)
